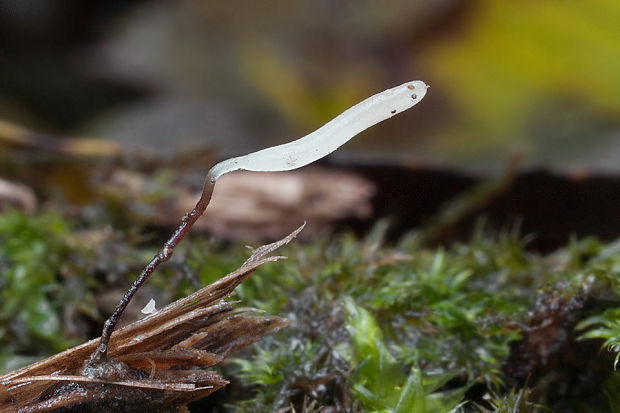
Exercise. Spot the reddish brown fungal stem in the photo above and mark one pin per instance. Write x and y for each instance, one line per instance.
(101, 353)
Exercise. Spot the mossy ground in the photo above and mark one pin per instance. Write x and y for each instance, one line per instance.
(483, 325)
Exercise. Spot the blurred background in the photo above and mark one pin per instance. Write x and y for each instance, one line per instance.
(541, 79)
(111, 112)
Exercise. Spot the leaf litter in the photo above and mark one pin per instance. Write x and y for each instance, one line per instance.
(156, 363)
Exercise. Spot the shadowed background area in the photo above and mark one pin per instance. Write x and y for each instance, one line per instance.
(501, 189)
(538, 78)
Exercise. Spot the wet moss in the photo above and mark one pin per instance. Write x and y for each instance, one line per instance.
(485, 325)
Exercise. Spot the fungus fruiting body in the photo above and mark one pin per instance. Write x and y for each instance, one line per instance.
(285, 157)
(330, 136)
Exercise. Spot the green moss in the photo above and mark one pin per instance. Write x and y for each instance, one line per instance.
(379, 381)
(604, 326)
(513, 402)
(38, 285)
(374, 326)
(455, 312)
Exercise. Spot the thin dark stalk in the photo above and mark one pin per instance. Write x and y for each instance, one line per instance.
(101, 354)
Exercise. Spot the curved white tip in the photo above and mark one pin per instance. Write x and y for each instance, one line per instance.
(330, 136)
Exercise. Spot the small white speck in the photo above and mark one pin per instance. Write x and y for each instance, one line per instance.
(149, 308)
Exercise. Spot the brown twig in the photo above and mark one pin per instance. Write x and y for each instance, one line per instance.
(101, 354)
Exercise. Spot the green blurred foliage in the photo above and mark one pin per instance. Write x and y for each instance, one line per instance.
(303, 102)
(513, 402)
(605, 261)
(40, 288)
(513, 65)
(605, 326)
(611, 391)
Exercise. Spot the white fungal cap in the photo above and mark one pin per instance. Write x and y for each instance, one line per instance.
(330, 136)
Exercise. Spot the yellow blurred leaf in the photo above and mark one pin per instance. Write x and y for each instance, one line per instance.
(510, 60)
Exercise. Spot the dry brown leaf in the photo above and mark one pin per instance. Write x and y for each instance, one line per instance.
(154, 364)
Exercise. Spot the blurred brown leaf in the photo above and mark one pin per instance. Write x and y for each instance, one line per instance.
(17, 195)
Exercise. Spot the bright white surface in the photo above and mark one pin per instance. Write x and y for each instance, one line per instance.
(149, 308)
(330, 136)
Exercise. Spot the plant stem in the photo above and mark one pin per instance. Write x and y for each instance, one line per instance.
(101, 353)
